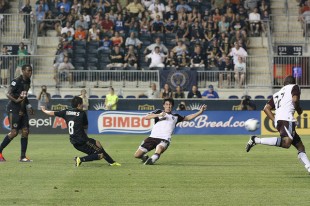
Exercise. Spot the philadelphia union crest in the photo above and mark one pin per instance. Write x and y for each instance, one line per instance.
(177, 78)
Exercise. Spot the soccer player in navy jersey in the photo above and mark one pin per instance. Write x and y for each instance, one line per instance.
(77, 121)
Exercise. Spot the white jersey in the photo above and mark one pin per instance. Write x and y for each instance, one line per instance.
(283, 103)
(164, 126)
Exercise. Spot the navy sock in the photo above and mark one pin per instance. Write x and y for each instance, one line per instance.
(89, 158)
(24, 144)
(107, 157)
(5, 143)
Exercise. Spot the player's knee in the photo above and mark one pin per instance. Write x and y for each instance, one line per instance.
(25, 132)
(13, 133)
(100, 156)
(286, 145)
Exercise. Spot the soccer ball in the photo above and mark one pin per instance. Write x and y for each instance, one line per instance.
(251, 124)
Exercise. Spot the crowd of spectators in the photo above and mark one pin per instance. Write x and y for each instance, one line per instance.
(4, 7)
(155, 34)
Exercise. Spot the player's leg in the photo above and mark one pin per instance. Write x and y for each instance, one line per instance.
(24, 138)
(298, 144)
(285, 130)
(103, 154)
(147, 145)
(14, 125)
(160, 148)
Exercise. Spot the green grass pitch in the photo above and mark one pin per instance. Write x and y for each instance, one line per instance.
(196, 170)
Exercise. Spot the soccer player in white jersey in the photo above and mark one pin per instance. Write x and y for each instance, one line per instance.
(160, 137)
(285, 102)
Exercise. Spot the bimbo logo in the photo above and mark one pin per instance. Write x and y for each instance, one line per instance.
(123, 122)
(6, 123)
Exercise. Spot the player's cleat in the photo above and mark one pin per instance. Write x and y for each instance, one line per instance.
(308, 168)
(115, 164)
(149, 161)
(250, 143)
(77, 161)
(144, 158)
(25, 159)
(2, 158)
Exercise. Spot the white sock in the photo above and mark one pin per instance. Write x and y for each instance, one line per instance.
(304, 159)
(272, 141)
(155, 157)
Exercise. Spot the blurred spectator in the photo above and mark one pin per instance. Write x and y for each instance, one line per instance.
(180, 49)
(197, 59)
(171, 60)
(251, 4)
(223, 25)
(61, 16)
(40, 17)
(151, 48)
(247, 104)
(212, 61)
(60, 55)
(152, 93)
(4, 66)
(196, 32)
(144, 26)
(134, 8)
(178, 93)
(93, 33)
(217, 16)
(146, 3)
(27, 11)
(170, 26)
(43, 98)
(184, 60)
(131, 58)
(230, 15)
(225, 45)
(99, 15)
(107, 25)
(21, 59)
(194, 15)
(156, 4)
(254, 20)
(226, 67)
(209, 33)
(106, 44)
(194, 93)
(242, 13)
(81, 22)
(238, 24)
(157, 15)
(133, 26)
(116, 7)
(67, 28)
(65, 4)
(181, 106)
(218, 4)
(166, 92)
(236, 52)
(86, 18)
(117, 40)
(76, 6)
(184, 6)
(111, 100)
(172, 14)
(157, 58)
(210, 93)
(157, 25)
(80, 34)
(43, 4)
(182, 32)
(64, 69)
(240, 70)
(116, 58)
(85, 99)
(265, 19)
(119, 24)
(264, 6)
(132, 40)
(49, 24)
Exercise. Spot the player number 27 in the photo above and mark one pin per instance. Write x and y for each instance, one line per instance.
(70, 127)
(278, 100)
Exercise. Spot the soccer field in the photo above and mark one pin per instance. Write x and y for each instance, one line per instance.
(195, 170)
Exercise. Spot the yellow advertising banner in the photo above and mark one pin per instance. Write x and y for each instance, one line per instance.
(303, 127)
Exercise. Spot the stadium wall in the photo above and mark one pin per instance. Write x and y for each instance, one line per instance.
(133, 122)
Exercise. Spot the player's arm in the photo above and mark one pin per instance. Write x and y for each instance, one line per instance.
(10, 96)
(155, 114)
(296, 98)
(192, 116)
(268, 109)
(50, 113)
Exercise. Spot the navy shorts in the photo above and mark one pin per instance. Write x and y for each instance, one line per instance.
(88, 147)
(18, 120)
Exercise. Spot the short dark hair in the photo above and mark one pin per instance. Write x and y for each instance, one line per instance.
(25, 66)
(168, 100)
(289, 80)
(76, 101)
